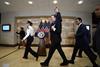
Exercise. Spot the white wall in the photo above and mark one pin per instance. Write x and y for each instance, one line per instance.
(9, 18)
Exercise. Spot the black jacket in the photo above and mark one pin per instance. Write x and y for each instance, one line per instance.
(82, 36)
(96, 40)
(56, 35)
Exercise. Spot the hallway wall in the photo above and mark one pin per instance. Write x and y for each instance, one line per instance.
(9, 18)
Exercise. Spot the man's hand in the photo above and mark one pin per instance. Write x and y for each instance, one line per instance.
(56, 9)
(53, 28)
(22, 40)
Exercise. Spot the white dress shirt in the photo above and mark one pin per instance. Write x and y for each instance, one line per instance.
(29, 31)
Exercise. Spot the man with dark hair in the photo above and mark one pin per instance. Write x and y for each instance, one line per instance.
(29, 22)
(82, 42)
(88, 36)
(55, 33)
(79, 19)
(22, 35)
(29, 36)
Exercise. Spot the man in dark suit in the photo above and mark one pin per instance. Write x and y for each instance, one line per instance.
(82, 42)
(89, 40)
(55, 33)
(96, 36)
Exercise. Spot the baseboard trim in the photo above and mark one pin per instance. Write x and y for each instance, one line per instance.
(48, 45)
(35, 45)
(8, 45)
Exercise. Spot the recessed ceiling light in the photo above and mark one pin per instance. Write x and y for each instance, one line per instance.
(55, 2)
(7, 3)
(80, 2)
(30, 2)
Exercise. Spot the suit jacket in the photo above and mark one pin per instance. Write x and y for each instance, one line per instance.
(82, 36)
(96, 39)
(56, 35)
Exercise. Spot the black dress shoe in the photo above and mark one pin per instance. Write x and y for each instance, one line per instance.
(71, 61)
(64, 63)
(25, 57)
(44, 64)
(96, 65)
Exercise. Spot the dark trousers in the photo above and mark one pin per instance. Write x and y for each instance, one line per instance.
(28, 47)
(86, 50)
(80, 52)
(52, 49)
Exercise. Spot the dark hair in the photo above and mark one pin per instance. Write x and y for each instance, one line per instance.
(78, 18)
(22, 28)
(29, 22)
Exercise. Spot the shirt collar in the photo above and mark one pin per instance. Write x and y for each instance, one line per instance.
(79, 25)
(29, 27)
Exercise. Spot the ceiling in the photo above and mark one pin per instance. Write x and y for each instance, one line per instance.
(47, 5)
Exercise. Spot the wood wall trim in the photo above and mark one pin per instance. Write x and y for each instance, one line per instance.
(26, 17)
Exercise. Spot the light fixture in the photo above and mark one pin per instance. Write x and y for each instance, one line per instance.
(30, 2)
(7, 3)
(80, 2)
(55, 2)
